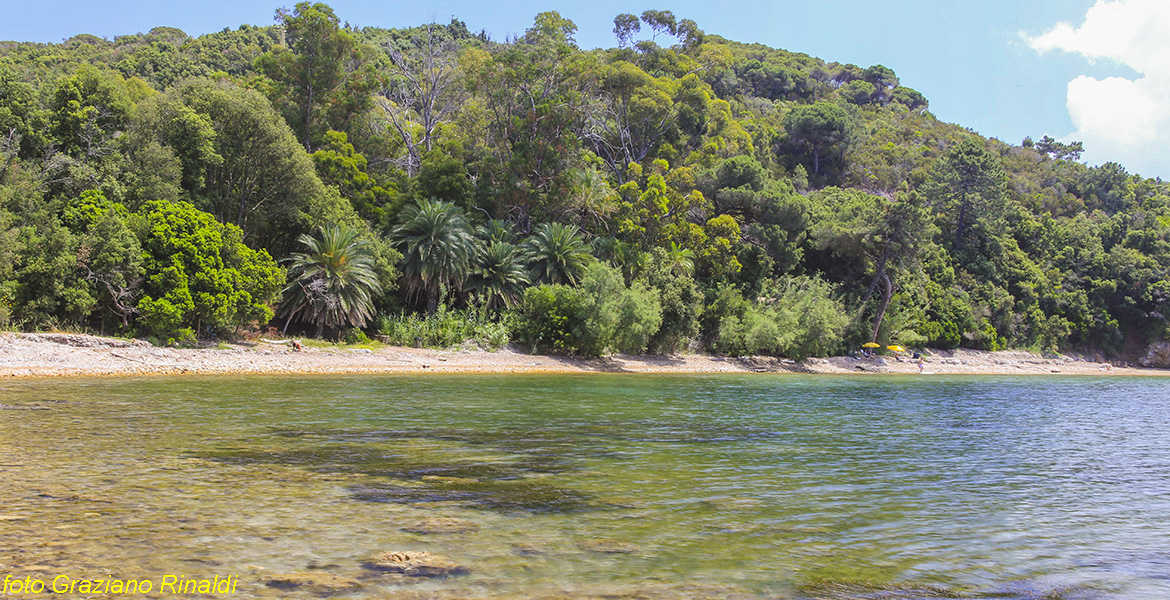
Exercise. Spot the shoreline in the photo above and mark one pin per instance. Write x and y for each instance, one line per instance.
(41, 355)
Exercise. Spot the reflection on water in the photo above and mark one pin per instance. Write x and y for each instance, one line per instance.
(594, 486)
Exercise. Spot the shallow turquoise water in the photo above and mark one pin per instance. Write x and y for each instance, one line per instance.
(592, 485)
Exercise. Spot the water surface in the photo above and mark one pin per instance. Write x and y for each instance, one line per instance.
(599, 485)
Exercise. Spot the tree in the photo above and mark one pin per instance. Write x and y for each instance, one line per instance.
(1060, 151)
(967, 186)
(911, 98)
(333, 283)
(822, 128)
(438, 249)
(625, 26)
(681, 261)
(21, 130)
(660, 21)
(340, 165)
(199, 274)
(49, 285)
(500, 276)
(112, 258)
(89, 108)
(885, 236)
(444, 176)
(241, 162)
(424, 92)
(637, 112)
(884, 81)
(536, 104)
(311, 69)
(859, 92)
(558, 253)
(681, 302)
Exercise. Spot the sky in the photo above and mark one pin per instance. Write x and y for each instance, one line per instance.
(1096, 71)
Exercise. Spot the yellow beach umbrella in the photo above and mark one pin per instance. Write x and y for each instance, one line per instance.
(871, 345)
(896, 348)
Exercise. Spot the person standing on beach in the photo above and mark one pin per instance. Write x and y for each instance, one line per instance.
(920, 361)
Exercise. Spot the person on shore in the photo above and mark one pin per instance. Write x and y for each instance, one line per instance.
(920, 363)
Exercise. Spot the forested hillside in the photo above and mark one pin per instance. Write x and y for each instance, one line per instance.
(676, 191)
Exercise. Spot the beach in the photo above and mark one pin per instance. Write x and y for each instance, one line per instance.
(60, 354)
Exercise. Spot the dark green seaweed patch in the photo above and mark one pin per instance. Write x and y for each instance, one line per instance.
(839, 589)
(505, 485)
(530, 495)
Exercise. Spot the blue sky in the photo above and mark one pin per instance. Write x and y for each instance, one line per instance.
(1001, 67)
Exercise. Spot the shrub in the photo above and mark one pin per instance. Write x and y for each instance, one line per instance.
(446, 328)
(681, 303)
(796, 317)
(356, 336)
(551, 318)
(601, 316)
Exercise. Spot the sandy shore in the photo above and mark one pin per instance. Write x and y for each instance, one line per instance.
(53, 354)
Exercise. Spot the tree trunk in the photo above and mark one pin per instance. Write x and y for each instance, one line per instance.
(320, 330)
(887, 294)
(309, 122)
(962, 224)
(433, 301)
(879, 272)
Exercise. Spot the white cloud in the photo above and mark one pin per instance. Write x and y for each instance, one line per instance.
(1126, 120)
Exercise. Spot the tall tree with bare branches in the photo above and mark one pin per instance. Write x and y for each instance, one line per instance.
(424, 91)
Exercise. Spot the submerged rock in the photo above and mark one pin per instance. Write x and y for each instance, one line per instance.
(319, 582)
(442, 525)
(415, 564)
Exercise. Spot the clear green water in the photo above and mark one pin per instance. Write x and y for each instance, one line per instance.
(710, 486)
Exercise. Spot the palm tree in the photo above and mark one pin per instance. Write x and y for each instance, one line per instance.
(500, 277)
(626, 257)
(438, 249)
(497, 230)
(681, 260)
(334, 282)
(558, 253)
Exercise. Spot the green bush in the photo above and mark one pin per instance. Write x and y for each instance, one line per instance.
(601, 316)
(681, 302)
(356, 336)
(796, 317)
(199, 273)
(551, 317)
(756, 331)
(446, 328)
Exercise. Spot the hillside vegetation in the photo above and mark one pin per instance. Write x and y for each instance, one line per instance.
(676, 191)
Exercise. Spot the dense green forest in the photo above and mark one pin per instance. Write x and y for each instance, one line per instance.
(678, 191)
